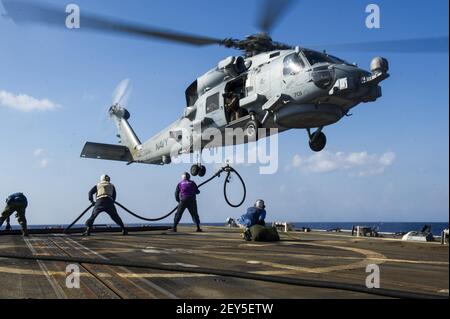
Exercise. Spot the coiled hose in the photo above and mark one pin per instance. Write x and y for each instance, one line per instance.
(226, 169)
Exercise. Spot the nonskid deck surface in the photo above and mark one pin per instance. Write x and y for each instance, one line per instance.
(411, 267)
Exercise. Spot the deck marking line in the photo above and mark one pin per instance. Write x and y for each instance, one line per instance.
(53, 283)
(148, 282)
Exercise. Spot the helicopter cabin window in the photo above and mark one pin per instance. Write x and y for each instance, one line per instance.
(314, 57)
(212, 103)
(293, 64)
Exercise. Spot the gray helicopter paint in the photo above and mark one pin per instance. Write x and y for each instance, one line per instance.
(283, 101)
(307, 100)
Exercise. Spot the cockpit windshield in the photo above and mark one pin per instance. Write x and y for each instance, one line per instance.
(293, 64)
(314, 57)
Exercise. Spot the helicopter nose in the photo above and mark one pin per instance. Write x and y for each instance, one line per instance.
(345, 79)
(379, 65)
(358, 85)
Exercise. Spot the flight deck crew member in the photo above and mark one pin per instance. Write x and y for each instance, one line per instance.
(16, 203)
(186, 196)
(105, 197)
(255, 215)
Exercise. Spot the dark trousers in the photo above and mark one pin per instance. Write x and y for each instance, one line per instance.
(20, 209)
(191, 205)
(105, 205)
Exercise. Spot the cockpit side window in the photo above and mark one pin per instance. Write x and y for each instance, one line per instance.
(293, 64)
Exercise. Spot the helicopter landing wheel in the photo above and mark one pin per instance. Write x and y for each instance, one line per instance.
(317, 141)
(198, 170)
(251, 130)
(202, 171)
(195, 169)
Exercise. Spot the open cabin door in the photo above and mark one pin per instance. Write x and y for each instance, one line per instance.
(235, 91)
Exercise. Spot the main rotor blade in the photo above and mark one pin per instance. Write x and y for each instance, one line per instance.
(418, 45)
(26, 12)
(271, 12)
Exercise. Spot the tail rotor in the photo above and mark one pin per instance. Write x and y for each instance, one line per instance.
(120, 97)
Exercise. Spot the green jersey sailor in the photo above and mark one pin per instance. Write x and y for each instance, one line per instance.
(17, 203)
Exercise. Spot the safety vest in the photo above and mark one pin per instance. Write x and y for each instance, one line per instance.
(188, 190)
(105, 189)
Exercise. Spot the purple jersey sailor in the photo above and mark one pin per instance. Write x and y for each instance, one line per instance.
(186, 190)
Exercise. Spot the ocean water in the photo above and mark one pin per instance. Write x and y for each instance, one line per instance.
(389, 227)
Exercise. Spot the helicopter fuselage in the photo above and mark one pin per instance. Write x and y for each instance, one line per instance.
(283, 90)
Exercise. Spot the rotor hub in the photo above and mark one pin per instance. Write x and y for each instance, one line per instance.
(255, 44)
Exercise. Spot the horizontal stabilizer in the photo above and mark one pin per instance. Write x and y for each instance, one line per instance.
(107, 152)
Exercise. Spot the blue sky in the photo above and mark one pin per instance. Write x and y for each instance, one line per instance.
(78, 71)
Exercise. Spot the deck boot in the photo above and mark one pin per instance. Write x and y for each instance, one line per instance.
(87, 232)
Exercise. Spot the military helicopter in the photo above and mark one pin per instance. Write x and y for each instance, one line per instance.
(270, 86)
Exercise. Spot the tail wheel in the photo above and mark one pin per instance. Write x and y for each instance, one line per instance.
(318, 142)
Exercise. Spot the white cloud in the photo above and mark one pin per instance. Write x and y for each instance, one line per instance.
(38, 152)
(363, 163)
(297, 161)
(26, 103)
(44, 163)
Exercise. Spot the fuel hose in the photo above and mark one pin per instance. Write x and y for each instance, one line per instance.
(226, 169)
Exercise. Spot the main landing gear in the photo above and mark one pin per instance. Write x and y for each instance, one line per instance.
(317, 140)
(198, 170)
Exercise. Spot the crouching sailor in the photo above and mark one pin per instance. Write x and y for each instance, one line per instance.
(186, 196)
(105, 197)
(255, 215)
(255, 224)
(16, 203)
